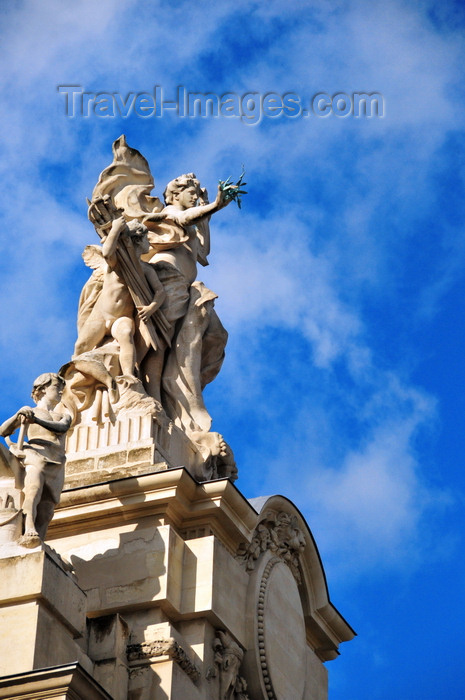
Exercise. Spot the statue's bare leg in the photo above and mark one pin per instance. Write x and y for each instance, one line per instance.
(33, 486)
(91, 335)
(152, 370)
(122, 331)
(45, 511)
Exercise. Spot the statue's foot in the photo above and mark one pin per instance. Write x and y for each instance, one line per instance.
(30, 539)
(128, 380)
(224, 449)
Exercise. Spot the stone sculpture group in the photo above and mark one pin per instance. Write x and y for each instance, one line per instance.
(149, 339)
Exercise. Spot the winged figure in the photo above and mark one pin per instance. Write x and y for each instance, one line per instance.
(144, 294)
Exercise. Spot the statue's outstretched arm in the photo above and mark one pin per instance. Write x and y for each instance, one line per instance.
(11, 424)
(155, 216)
(193, 214)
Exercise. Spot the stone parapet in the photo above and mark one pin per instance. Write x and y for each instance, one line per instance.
(183, 580)
(42, 613)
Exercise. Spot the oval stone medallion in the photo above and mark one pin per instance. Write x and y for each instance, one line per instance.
(282, 640)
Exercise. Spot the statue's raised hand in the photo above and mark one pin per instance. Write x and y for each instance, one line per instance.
(26, 414)
(231, 192)
(224, 196)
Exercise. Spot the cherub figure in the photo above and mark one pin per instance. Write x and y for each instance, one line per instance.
(42, 457)
(113, 311)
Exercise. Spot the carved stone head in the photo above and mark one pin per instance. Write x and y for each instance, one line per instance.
(176, 187)
(138, 235)
(42, 384)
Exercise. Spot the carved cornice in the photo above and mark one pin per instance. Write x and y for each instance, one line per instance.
(278, 533)
(164, 647)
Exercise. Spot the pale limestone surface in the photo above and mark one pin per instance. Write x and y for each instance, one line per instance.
(178, 600)
(165, 576)
(64, 682)
(132, 444)
(32, 472)
(283, 633)
(42, 616)
(318, 688)
(149, 339)
(112, 308)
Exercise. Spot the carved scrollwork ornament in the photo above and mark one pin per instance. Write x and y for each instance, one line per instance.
(161, 647)
(279, 533)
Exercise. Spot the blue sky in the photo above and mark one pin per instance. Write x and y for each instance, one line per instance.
(341, 281)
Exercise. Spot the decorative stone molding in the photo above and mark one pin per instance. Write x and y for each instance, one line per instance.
(275, 663)
(261, 628)
(278, 533)
(164, 647)
(195, 532)
(228, 660)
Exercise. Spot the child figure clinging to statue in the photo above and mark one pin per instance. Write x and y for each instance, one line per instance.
(112, 312)
(42, 457)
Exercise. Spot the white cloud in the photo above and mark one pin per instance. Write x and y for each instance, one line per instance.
(273, 279)
(367, 507)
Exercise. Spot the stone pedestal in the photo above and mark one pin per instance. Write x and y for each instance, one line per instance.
(42, 613)
(189, 591)
(133, 443)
